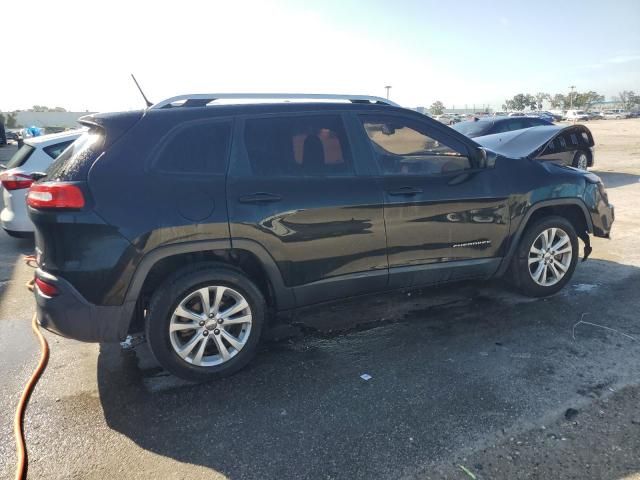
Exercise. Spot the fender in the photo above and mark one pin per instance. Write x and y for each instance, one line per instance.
(515, 238)
(283, 295)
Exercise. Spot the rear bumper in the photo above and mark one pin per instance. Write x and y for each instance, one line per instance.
(69, 314)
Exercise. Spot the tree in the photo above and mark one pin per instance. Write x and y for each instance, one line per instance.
(519, 102)
(541, 97)
(586, 99)
(43, 108)
(11, 120)
(559, 101)
(437, 108)
(628, 99)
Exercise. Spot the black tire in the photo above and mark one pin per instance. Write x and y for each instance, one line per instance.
(166, 299)
(520, 272)
(581, 160)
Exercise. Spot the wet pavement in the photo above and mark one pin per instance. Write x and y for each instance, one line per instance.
(455, 372)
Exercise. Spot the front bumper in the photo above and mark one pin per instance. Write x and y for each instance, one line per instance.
(69, 314)
(602, 220)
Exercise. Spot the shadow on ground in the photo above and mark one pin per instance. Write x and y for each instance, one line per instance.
(617, 179)
(451, 368)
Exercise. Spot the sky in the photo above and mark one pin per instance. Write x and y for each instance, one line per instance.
(79, 54)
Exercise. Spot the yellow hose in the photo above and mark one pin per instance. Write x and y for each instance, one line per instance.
(18, 424)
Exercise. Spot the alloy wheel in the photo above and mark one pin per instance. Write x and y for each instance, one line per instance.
(210, 326)
(583, 161)
(550, 256)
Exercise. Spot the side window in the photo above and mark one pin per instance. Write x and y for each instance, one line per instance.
(298, 146)
(404, 148)
(200, 147)
(56, 149)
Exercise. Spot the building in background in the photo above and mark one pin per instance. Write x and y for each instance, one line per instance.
(49, 121)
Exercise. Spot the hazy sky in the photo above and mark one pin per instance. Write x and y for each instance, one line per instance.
(473, 52)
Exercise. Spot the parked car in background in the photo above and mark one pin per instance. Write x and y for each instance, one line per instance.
(12, 135)
(615, 114)
(576, 116)
(542, 114)
(448, 118)
(165, 230)
(595, 115)
(490, 125)
(571, 146)
(558, 115)
(516, 114)
(35, 155)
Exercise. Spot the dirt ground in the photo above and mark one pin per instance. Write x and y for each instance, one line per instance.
(468, 381)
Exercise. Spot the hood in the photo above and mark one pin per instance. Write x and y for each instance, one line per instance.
(530, 142)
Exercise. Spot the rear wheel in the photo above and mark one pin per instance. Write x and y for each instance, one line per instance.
(581, 160)
(546, 257)
(205, 323)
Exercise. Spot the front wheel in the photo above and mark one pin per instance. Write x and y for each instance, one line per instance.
(205, 322)
(546, 257)
(580, 160)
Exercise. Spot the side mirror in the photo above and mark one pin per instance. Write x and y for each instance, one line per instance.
(487, 158)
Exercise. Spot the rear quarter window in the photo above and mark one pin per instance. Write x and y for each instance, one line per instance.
(195, 147)
(56, 149)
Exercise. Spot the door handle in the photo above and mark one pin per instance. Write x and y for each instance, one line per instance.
(405, 191)
(260, 197)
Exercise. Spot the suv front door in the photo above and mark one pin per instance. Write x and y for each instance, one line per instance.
(445, 216)
(296, 187)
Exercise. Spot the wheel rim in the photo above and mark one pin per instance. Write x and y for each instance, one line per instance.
(582, 162)
(550, 257)
(210, 326)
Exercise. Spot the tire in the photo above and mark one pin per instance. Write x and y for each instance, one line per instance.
(185, 290)
(580, 160)
(523, 272)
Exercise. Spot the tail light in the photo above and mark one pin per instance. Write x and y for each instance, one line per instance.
(46, 288)
(15, 181)
(55, 195)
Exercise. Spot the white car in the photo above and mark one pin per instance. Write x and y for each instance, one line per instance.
(615, 114)
(35, 155)
(577, 115)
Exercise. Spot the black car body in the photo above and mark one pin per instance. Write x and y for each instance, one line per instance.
(293, 204)
(491, 125)
(571, 146)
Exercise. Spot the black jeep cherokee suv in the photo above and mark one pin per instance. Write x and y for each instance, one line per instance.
(193, 221)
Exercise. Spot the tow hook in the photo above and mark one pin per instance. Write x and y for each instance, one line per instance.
(584, 236)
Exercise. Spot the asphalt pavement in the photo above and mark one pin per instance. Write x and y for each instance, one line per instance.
(459, 376)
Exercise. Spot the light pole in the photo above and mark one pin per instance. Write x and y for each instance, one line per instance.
(388, 87)
(572, 87)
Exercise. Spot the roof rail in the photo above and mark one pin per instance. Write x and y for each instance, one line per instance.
(202, 99)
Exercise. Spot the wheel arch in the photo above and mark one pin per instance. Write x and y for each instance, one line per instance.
(247, 256)
(573, 209)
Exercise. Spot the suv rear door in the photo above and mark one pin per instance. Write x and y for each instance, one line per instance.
(297, 186)
(444, 216)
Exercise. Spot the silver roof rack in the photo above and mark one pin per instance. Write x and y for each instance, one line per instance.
(203, 99)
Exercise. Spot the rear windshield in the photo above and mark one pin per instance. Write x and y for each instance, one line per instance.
(75, 161)
(472, 129)
(21, 156)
